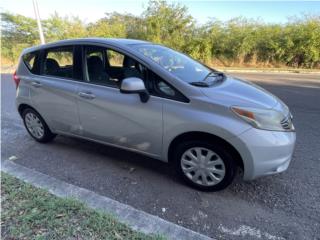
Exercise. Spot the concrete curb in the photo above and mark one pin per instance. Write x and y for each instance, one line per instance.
(136, 219)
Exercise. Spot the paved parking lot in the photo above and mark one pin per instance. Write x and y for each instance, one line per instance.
(285, 206)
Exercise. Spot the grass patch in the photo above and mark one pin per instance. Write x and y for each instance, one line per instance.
(28, 212)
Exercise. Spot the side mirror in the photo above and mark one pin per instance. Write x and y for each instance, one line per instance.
(135, 85)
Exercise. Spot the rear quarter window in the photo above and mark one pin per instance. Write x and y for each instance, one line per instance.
(31, 61)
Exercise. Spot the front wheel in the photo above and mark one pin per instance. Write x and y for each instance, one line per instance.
(36, 126)
(205, 166)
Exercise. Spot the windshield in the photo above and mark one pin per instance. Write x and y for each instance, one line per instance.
(183, 67)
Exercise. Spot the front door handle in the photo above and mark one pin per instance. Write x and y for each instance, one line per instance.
(36, 84)
(86, 95)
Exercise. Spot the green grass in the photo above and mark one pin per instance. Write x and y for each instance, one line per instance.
(31, 213)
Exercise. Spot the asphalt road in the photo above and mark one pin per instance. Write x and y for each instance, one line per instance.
(284, 206)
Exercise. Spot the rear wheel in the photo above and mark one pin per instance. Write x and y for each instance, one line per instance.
(36, 126)
(205, 166)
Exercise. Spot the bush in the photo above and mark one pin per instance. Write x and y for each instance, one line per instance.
(239, 41)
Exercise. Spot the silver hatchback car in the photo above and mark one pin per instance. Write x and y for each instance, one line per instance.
(150, 99)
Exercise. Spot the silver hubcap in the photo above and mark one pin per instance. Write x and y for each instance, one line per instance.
(34, 125)
(203, 166)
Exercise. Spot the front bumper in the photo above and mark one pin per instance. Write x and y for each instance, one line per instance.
(265, 152)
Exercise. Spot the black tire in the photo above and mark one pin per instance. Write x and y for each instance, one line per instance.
(220, 149)
(48, 136)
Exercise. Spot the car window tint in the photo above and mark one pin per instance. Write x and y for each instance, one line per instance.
(59, 62)
(165, 89)
(108, 67)
(30, 59)
(97, 67)
(161, 88)
(115, 58)
(92, 51)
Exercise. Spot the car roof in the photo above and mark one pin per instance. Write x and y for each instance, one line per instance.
(119, 42)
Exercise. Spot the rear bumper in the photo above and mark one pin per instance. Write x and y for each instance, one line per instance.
(265, 152)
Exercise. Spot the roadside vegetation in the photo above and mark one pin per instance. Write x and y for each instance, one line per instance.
(236, 43)
(31, 213)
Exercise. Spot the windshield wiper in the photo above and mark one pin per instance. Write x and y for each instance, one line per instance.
(200, 84)
(214, 77)
(215, 74)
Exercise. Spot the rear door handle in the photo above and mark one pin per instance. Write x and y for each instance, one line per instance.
(86, 95)
(36, 84)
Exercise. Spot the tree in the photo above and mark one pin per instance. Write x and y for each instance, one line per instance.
(112, 25)
(169, 24)
(239, 41)
(18, 32)
(58, 28)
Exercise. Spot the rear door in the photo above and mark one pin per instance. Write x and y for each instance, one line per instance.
(113, 117)
(53, 92)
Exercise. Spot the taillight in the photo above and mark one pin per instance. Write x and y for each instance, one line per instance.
(16, 79)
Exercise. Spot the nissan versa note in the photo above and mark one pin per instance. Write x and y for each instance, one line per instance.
(153, 100)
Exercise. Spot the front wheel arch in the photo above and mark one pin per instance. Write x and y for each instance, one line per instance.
(202, 136)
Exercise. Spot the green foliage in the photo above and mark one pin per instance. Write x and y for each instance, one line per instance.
(168, 24)
(18, 32)
(58, 28)
(239, 41)
(31, 213)
(113, 25)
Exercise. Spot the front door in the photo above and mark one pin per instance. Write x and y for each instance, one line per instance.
(110, 116)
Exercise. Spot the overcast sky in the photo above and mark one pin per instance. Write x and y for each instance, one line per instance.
(91, 10)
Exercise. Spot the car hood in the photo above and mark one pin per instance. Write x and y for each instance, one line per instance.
(236, 92)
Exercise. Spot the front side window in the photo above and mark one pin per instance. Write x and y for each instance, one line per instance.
(161, 88)
(180, 65)
(108, 67)
(115, 58)
(164, 88)
(59, 62)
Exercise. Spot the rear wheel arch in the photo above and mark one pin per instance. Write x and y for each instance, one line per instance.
(207, 137)
(22, 107)
(36, 125)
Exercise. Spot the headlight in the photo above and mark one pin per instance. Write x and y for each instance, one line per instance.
(266, 119)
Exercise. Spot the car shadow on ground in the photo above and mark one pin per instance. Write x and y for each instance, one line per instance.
(119, 157)
(269, 191)
(125, 159)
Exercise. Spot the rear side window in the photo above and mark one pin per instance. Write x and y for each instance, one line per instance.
(31, 61)
(59, 62)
